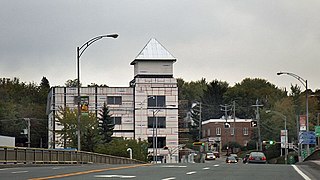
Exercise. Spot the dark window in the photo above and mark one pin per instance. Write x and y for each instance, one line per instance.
(160, 120)
(156, 101)
(116, 120)
(114, 100)
(161, 142)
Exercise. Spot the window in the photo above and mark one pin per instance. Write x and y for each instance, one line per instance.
(156, 101)
(161, 122)
(245, 131)
(218, 131)
(209, 133)
(161, 142)
(114, 100)
(116, 120)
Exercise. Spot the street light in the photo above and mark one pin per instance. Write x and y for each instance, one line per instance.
(80, 51)
(155, 129)
(305, 84)
(285, 129)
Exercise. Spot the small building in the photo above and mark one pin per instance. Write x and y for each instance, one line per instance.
(220, 132)
(146, 110)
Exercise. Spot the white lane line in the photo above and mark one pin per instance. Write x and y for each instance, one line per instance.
(173, 166)
(8, 169)
(113, 176)
(206, 168)
(170, 178)
(17, 172)
(216, 165)
(192, 172)
(300, 172)
(58, 168)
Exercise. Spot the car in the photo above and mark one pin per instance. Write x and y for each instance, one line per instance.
(235, 156)
(245, 159)
(217, 154)
(231, 159)
(257, 157)
(210, 156)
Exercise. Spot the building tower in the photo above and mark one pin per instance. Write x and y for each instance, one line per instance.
(156, 101)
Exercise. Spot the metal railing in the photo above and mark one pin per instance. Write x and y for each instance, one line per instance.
(20, 155)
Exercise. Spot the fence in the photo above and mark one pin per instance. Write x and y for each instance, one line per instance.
(20, 155)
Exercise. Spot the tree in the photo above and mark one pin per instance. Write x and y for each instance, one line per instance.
(248, 91)
(72, 83)
(194, 125)
(19, 100)
(192, 91)
(106, 125)
(212, 99)
(119, 146)
(67, 118)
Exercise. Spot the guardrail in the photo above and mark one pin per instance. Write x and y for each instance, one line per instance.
(313, 156)
(20, 155)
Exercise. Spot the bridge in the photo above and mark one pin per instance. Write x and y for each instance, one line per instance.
(21, 155)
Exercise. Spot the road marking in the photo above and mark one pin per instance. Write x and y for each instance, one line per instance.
(170, 178)
(8, 169)
(206, 168)
(18, 172)
(300, 172)
(113, 176)
(173, 166)
(216, 165)
(58, 168)
(87, 172)
(192, 172)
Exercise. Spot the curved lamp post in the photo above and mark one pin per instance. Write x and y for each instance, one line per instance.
(80, 51)
(305, 84)
(285, 128)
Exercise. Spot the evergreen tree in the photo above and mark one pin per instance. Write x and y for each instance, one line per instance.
(106, 125)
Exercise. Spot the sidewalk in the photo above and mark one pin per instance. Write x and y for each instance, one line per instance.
(315, 164)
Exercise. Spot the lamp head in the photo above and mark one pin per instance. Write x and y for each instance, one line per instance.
(268, 111)
(113, 35)
(279, 73)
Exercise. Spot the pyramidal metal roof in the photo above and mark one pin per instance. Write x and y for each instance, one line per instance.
(153, 50)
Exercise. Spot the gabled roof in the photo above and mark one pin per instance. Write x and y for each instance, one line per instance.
(153, 50)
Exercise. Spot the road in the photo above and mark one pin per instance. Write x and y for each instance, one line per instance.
(217, 169)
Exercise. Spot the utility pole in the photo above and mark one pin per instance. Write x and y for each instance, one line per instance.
(257, 105)
(28, 131)
(225, 109)
(200, 122)
(234, 121)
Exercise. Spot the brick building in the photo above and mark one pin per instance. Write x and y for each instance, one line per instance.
(218, 132)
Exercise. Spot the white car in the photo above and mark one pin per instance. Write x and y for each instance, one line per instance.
(210, 156)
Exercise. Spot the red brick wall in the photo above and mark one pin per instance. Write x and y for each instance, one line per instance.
(239, 136)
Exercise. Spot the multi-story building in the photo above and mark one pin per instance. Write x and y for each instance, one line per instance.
(220, 132)
(146, 110)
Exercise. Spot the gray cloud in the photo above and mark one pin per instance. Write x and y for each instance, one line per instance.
(226, 40)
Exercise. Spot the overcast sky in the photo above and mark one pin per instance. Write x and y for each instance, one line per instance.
(228, 40)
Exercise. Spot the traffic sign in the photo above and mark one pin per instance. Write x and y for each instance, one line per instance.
(317, 130)
(307, 137)
(227, 125)
(254, 123)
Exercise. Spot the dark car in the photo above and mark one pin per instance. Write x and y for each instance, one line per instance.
(257, 157)
(231, 159)
(217, 154)
(245, 159)
(235, 156)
